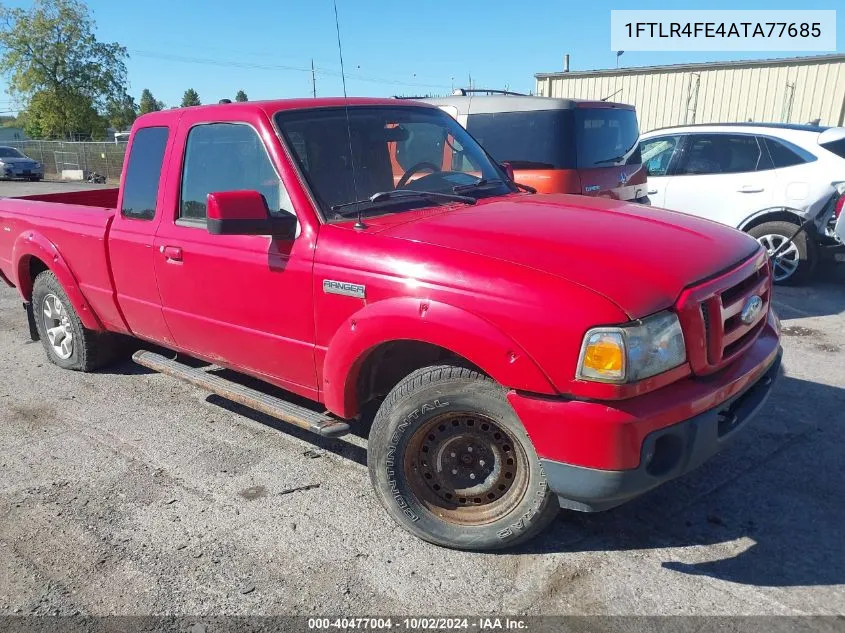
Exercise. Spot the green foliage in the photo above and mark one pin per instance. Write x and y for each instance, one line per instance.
(190, 98)
(57, 66)
(59, 115)
(121, 113)
(241, 96)
(149, 103)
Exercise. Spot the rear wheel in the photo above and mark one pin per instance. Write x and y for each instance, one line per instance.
(797, 259)
(67, 342)
(452, 463)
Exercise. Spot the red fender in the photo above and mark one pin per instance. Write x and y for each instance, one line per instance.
(31, 244)
(439, 324)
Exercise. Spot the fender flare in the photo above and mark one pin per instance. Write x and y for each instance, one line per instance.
(441, 324)
(34, 245)
(794, 213)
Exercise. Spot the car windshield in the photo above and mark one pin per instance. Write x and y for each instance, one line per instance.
(384, 149)
(10, 152)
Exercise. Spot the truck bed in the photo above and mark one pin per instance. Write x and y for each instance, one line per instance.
(103, 198)
(72, 226)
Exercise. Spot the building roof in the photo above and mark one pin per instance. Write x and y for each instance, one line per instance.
(743, 63)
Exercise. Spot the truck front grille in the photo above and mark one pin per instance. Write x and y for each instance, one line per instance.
(711, 314)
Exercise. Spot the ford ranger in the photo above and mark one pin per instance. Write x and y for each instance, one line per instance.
(509, 353)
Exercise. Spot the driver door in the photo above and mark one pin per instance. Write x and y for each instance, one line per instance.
(241, 301)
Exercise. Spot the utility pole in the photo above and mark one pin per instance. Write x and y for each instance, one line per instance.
(313, 81)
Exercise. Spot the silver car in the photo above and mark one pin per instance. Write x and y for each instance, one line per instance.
(14, 164)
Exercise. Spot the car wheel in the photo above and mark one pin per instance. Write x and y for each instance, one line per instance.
(67, 342)
(452, 464)
(797, 261)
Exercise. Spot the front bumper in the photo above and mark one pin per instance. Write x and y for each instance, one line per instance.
(666, 453)
(598, 454)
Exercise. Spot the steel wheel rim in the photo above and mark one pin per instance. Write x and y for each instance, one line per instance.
(57, 326)
(787, 262)
(466, 469)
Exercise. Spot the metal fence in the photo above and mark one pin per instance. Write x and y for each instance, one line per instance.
(102, 158)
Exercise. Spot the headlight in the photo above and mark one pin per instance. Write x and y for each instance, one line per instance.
(634, 352)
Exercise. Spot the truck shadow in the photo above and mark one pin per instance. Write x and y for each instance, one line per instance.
(824, 296)
(772, 503)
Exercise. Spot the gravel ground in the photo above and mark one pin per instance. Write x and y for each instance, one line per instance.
(128, 492)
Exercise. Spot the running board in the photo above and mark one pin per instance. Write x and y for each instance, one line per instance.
(318, 423)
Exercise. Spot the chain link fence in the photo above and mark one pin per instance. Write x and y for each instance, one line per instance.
(91, 157)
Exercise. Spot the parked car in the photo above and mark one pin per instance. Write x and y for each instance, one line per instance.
(515, 352)
(557, 145)
(15, 164)
(762, 178)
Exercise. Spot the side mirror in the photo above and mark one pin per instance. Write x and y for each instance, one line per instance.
(246, 213)
(508, 168)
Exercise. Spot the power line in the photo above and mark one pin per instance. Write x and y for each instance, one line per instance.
(286, 67)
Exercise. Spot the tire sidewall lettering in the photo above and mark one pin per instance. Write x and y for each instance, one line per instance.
(393, 447)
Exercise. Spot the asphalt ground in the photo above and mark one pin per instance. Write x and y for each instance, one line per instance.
(128, 492)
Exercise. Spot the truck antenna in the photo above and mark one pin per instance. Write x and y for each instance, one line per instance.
(359, 224)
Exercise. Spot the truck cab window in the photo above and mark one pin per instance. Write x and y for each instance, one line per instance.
(227, 157)
(140, 187)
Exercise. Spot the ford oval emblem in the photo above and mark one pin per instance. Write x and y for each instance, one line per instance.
(751, 309)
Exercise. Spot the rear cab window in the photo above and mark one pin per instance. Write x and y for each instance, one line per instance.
(227, 157)
(572, 138)
(537, 139)
(143, 173)
(606, 137)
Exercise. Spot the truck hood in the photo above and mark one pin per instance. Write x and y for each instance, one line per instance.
(639, 257)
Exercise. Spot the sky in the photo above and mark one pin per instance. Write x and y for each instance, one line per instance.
(265, 47)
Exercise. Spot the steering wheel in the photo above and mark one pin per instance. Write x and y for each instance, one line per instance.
(403, 181)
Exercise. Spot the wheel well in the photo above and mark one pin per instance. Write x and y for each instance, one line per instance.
(32, 267)
(389, 363)
(774, 216)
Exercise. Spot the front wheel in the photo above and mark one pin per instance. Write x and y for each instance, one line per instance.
(453, 465)
(797, 260)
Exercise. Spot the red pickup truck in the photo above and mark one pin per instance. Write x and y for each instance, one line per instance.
(513, 352)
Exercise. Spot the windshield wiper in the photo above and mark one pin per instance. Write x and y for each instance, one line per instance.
(402, 194)
(478, 184)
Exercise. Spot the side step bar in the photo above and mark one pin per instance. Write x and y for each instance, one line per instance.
(318, 423)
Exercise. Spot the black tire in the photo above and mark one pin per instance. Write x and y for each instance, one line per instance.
(807, 255)
(91, 350)
(463, 401)
(35, 179)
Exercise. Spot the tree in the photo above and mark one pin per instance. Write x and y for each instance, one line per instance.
(122, 113)
(51, 115)
(190, 98)
(241, 96)
(50, 51)
(149, 103)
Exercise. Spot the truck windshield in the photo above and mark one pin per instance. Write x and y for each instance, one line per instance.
(386, 149)
(575, 138)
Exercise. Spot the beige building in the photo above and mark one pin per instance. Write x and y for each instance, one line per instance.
(791, 90)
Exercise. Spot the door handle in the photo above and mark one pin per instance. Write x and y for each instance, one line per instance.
(171, 253)
(750, 189)
(651, 192)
